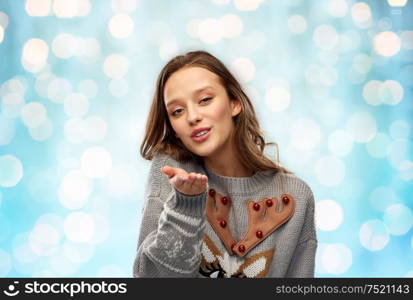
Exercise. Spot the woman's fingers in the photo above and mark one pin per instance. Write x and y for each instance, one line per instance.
(187, 183)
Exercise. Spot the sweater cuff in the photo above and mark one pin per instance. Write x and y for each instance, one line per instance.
(189, 205)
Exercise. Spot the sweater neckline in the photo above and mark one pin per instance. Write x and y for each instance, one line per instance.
(238, 185)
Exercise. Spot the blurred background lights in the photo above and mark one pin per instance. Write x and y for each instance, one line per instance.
(397, 3)
(96, 162)
(340, 142)
(325, 37)
(33, 114)
(297, 24)
(362, 126)
(116, 66)
(74, 190)
(121, 26)
(305, 134)
(379, 145)
(11, 170)
(76, 105)
(382, 197)
(244, 68)
(44, 239)
(329, 215)
(38, 8)
(387, 43)
(398, 219)
(331, 83)
(79, 227)
(277, 98)
(330, 170)
(374, 235)
(336, 258)
(337, 8)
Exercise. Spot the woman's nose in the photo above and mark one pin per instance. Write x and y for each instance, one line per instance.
(194, 115)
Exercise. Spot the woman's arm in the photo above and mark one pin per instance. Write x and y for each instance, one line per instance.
(303, 261)
(172, 228)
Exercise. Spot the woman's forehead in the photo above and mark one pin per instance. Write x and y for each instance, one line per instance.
(188, 81)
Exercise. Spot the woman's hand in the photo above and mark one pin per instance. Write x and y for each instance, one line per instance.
(186, 183)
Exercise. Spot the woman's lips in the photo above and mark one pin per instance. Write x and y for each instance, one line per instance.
(201, 138)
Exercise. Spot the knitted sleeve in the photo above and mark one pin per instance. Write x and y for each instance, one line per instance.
(171, 231)
(302, 263)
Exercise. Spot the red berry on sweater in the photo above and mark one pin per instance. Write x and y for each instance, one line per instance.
(212, 192)
(224, 200)
(285, 200)
(259, 234)
(268, 202)
(241, 248)
(223, 223)
(256, 206)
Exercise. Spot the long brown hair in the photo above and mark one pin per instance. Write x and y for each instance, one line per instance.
(160, 137)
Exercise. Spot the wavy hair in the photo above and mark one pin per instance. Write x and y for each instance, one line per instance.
(160, 137)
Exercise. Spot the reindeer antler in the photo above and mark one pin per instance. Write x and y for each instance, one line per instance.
(263, 219)
(217, 210)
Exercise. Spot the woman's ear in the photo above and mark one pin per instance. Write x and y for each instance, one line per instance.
(236, 107)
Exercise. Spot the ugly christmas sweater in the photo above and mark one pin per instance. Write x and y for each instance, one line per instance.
(258, 226)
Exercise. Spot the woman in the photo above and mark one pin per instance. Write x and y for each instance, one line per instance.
(215, 205)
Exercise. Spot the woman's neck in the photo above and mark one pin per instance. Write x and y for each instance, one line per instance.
(226, 165)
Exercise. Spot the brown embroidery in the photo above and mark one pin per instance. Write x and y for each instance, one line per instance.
(214, 264)
(263, 219)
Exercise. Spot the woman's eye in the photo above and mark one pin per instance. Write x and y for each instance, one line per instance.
(205, 100)
(175, 112)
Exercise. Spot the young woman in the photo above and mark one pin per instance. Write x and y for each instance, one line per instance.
(215, 205)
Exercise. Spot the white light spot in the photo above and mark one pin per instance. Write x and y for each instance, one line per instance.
(336, 258)
(277, 98)
(328, 215)
(38, 8)
(76, 105)
(244, 68)
(361, 14)
(337, 8)
(79, 227)
(387, 43)
(35, 51)
(397, 3)
(33, 114)
(44, 239)
(192, 27)
(325, 37)
(374, 235)
(379, 146)
(362, 63)
(74, 190)
(247, 5)
(89, 51)
(391, 92)
(398, 219)
(58, 90)
(305, 134)
(1, 34)
(362, 126)
(297, 24)
(168, 48)
(400, 151)
(42, 132)
(371, 92)
(96, 162)
(4, 20)
(121, 180)
(340, 142)
(382, 197)
(121, 26)
(11, 170)
(210, 31)
(61, 266)
(102, 234)
(65, 45)
(74, 130)
(231, 25)
(12, 105)
(65, 9)
(330, 170)
(115, 66)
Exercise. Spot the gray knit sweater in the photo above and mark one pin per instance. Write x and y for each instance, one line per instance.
(263, 228)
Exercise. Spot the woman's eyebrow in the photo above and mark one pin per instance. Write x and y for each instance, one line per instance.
(197, 91)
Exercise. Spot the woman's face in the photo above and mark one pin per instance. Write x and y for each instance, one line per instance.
(200, 111)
